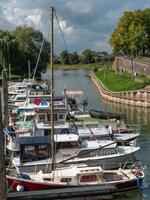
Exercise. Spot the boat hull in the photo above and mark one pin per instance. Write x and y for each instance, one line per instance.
(105, 163)
(29, 185)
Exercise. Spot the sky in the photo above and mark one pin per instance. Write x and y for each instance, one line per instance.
(85, 23)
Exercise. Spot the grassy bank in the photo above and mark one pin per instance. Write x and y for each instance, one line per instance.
(83, 66)
(117, 83)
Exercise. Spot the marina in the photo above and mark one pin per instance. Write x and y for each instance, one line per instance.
(60, 137)
(102, 191)
(81, 74)
(133, 114)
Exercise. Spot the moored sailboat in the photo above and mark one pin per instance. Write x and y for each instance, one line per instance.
(76, 176)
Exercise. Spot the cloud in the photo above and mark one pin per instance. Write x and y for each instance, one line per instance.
(85, 23)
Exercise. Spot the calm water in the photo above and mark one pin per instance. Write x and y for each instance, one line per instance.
(79, 80)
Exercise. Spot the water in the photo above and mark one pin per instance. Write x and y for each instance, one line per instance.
(79, 80)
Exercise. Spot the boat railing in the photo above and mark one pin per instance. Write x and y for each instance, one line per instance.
(129, 128)
(133, 165)
(134, 128)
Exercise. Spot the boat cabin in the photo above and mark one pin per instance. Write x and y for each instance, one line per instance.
(60, 128)
(67, 141)
(34, 148)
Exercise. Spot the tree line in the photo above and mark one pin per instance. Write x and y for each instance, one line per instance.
(132, 34)
(86, 57)
(22, 45)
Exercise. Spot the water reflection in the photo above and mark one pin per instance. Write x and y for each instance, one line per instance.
(79, 80)
(133, 113)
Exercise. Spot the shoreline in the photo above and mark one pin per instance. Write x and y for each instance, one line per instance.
(134, 98)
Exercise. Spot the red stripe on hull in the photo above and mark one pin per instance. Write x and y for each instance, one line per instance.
(31, 185)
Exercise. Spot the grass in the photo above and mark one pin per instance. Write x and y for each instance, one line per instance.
(83, 66)
(144, 78)
(118, 82)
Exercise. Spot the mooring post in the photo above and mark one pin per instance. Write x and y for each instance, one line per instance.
(5, 97)
(3, 188)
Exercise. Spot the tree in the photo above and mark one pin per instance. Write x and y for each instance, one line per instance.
(65, 57)
(87, 56)
(74, 58)
(8, 49)
(30, 42)
(132, 34)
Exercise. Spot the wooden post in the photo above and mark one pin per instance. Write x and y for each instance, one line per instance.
(5, 97)
(132, 68)
(3, 189)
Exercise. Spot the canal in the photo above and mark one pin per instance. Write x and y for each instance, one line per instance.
(80, 80)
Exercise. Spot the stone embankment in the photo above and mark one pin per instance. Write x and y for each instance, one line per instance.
(134, 65)
(135, 97)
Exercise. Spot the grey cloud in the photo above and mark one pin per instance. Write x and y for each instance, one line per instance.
(92, 21)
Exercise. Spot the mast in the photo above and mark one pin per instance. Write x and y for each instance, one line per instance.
(3, 189)
(52, 88)
(29, 69)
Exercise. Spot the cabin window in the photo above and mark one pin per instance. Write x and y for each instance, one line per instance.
(20, 88)
(88, 178)
(66, 145)
(48, 179)
(42, 117)
(103, 137)
(21, 98)
(29, 153)
(43, 151)
(107, 151)
(47, 132)
(61, 116)
(64, 131)
(87, 153)
(65, 180)
(28, 118)
(33, 153)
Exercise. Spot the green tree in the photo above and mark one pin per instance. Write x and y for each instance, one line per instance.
(87, 56)
(30, 42)
(65, 57)
(8, 49)
(74, 57)
(132, 34)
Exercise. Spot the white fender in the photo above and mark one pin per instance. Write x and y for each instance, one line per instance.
(20, 188)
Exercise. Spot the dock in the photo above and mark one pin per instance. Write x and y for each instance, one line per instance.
(103, 192)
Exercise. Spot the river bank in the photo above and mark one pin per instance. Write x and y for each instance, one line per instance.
(134, 97)
(93, 66)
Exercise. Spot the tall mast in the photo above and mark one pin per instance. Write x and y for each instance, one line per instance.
(52, 88)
